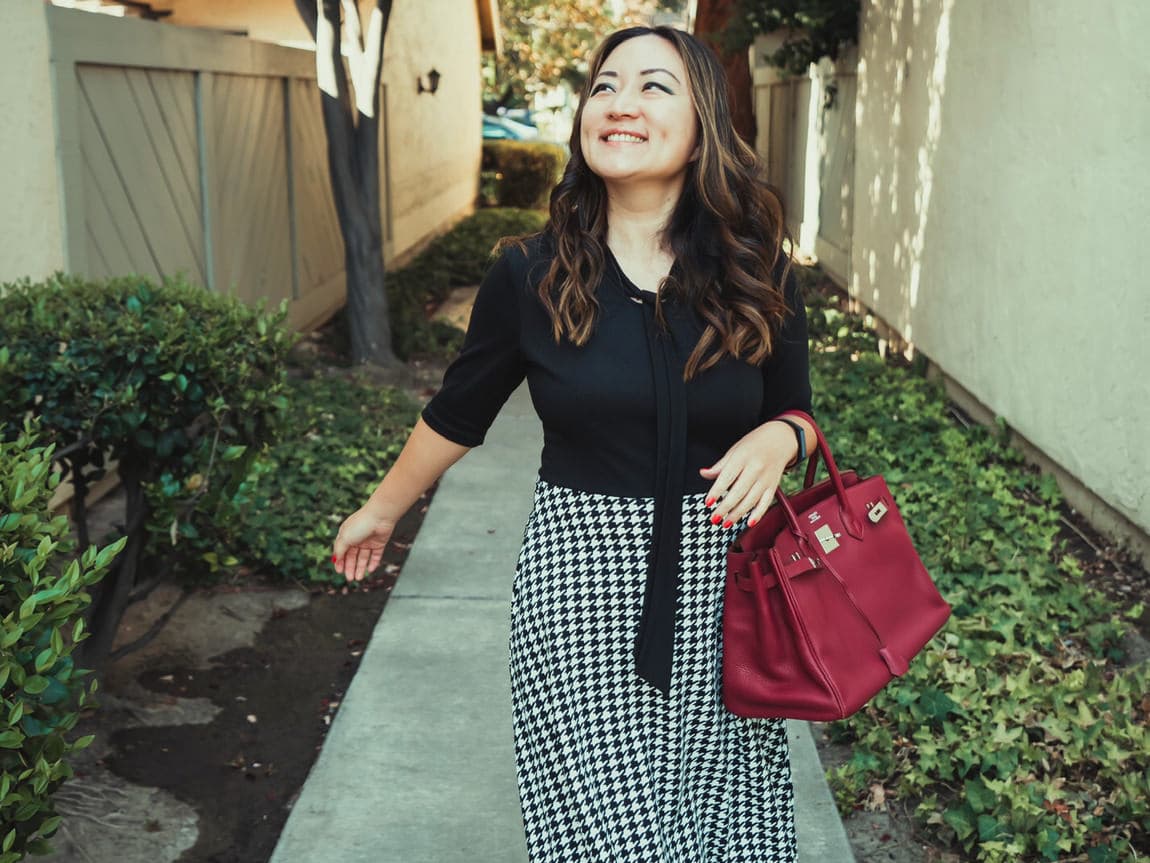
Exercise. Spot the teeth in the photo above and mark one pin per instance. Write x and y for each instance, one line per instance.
(620, 136)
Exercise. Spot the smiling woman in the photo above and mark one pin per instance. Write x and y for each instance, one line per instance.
(662, 335)
(639, 122)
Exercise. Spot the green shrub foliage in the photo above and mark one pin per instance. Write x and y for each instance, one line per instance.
(459, 258)
(529, 171)
(41, 600)
(814, 29)
(340, 438)
(181, 387)
(1019, 734)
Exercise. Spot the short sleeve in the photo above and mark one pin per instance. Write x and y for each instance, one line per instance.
(786, 373)
(490, 365)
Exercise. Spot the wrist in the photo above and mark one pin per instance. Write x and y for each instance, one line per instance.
(381, 511)
(799, 436)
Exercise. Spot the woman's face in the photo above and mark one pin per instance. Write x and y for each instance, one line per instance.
(639, 121)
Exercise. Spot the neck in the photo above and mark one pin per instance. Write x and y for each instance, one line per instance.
(636, 216)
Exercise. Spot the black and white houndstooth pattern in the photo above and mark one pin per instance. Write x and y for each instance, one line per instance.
(610, 769)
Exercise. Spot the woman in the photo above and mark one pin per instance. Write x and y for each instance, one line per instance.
(660, 336)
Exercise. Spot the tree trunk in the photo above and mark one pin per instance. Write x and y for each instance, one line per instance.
(114, 591)
(711, 17)
(353, 164)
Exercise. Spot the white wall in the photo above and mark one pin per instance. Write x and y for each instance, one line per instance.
(31, 238)
(1002, 199)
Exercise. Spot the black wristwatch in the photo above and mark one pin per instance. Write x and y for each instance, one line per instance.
(800, 436)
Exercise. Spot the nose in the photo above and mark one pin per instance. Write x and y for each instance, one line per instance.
(623, 104)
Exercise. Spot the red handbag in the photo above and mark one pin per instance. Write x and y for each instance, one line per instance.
(825, 601)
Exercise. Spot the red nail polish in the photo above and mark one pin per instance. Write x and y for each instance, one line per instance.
(716, 518)
(752, 522)
(727, 524)
(334, 559)
(710, 501)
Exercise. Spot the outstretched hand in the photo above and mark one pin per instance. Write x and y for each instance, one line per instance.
(746, 477)
(358, 548)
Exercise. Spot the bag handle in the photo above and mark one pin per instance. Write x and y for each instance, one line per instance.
(850, 522)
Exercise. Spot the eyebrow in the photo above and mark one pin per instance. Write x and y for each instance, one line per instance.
(642, 72)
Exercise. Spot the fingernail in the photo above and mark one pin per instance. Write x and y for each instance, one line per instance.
(710, 501)
(334, 559)
(752, 522)
(727, 524)
(716, 518)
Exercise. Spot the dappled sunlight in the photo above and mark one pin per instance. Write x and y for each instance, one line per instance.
(936, 85)
(900, 104)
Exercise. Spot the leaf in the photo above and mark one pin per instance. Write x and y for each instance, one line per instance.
(35, 684)
(11, 739)
(45, 659)
(961, 821)
(988, 828)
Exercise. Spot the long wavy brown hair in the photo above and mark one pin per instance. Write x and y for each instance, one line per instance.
(726, 232)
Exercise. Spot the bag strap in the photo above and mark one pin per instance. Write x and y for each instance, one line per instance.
(850, 522)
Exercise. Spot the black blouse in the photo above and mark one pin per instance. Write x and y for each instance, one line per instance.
(618, 419)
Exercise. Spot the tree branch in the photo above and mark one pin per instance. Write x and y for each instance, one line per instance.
(153, 630)
(306, 10)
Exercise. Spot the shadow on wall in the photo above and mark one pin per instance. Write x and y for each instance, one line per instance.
(904, 89)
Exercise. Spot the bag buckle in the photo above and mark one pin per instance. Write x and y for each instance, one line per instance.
(877, 511)
(827, 538)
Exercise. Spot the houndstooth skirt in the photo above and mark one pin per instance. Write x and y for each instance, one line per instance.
(610, 769)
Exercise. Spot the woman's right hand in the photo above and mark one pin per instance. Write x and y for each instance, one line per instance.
(359, 546)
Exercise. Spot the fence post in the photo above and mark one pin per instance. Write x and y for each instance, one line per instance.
(204, 84)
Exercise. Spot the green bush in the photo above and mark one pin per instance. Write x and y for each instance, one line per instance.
(181, 387)
(528, 171)
(339, 439)
(41, 690)
(458, 258)
(1018, 734)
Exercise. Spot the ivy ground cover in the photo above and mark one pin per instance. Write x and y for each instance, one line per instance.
(1020, 734)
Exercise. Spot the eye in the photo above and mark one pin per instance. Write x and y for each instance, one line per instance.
(658, 86)
(600, 87)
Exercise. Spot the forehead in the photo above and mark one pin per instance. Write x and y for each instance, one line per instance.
(644, 52)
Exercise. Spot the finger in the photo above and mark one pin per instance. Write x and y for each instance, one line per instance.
(735, 489)
(758, 497)
(759, 511)
(374, 560)
(740, 499)
(721, 487)
(714, 469)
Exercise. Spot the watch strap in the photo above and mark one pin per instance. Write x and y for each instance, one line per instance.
(800, 436)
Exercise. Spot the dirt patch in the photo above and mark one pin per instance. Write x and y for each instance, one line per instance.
(204, 738)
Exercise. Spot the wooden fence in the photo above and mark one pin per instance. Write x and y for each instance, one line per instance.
(186, 151)
(806, 139)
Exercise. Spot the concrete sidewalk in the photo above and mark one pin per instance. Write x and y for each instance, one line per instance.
(419, 765)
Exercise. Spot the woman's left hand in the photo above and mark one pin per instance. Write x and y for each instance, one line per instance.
(746, 477)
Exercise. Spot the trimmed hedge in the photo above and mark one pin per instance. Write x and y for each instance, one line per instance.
(180, 386)
(528, 171)
(41, 605)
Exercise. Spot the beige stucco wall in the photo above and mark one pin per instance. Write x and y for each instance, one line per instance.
(31, 240)
(433, 145)
(1001, 203)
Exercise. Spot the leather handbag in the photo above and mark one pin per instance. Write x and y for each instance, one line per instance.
(825, 601)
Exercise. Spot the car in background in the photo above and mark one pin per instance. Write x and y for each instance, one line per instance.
(506, 129)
